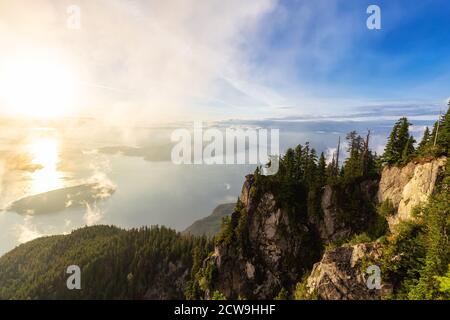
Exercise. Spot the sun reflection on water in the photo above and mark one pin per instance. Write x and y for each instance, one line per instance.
(45, 153)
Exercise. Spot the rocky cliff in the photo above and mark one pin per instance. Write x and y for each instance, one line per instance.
(340, 218)
(282, 244)
(342, 274)
(265, 260)
(408, 186)
(277, 244)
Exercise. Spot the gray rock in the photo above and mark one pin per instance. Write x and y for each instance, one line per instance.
(341, 274)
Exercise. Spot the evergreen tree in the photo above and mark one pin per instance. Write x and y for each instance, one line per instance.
(353, 166)
(443, 137)
(322, 170)
(400, 146)
(311, 167)
(289, 163)
(298, 162)
(422, 149)
(408, 150)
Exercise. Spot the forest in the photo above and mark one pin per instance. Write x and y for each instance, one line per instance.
(160, 263)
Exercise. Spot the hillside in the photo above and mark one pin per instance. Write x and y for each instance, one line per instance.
(210, 225)
(146, 263)
(311, 231)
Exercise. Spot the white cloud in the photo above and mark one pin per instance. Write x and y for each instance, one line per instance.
(329, 154)
(93, 215)
(27, 231)
(139, 59)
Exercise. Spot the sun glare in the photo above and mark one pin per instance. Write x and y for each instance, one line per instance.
(45, 152)
(37, 87)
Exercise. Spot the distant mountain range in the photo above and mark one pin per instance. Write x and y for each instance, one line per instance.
(210, 225)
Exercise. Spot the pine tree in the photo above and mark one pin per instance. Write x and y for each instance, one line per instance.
(422, 149)
(298, 162)
(353, 166)
(443, 137)
(408, 150)
(311, 167)
(289, 163)
(390, 151)
(400, 146)
(322, 170)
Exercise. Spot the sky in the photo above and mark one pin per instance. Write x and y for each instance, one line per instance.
(312, 69)
(155, 61)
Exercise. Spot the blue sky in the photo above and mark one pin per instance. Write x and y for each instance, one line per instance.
(215, 60)
(324, 47)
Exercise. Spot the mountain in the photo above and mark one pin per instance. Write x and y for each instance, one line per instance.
(268, 246)
(210, 225)
(145, 263)
(371, 228)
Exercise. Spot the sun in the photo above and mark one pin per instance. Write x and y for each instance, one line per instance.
(45, 152)
(37, 86)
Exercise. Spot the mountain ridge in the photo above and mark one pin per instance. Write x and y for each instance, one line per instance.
(210, 225)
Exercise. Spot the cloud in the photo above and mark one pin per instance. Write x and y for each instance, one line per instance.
(152, 59)
(93, 214)
(27, 231)
(329, 154)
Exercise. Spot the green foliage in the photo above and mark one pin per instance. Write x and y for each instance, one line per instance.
(301, 291)
(242, 232)
(436, 219)
(424, 143)
(444, 283)
(115, 264)
(359, 238)
(356, 208)
(235, 228)
(400, 145)
(321, 171)
(417, 257)
(386, 209)
(438, 142)
(282, 295)
(353, 166)
(443, 137)
(403, 258)
(218, 296)
(226, 235)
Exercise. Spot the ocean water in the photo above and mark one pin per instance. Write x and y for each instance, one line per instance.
(134, 182)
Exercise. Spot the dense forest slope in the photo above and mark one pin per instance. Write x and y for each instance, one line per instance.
(146, 263)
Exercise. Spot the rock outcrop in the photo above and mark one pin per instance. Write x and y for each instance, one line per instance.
(332, 225)
(272, 244)
(408, 186)
(273, 254)
(342, 274)
(279, 244)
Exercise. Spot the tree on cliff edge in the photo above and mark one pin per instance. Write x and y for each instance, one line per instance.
(400, 145)
(443, 138)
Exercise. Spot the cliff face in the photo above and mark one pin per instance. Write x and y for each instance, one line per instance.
(282, 245)
(267, 264)
(341, 274)
(335, 223)
(408, 186)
